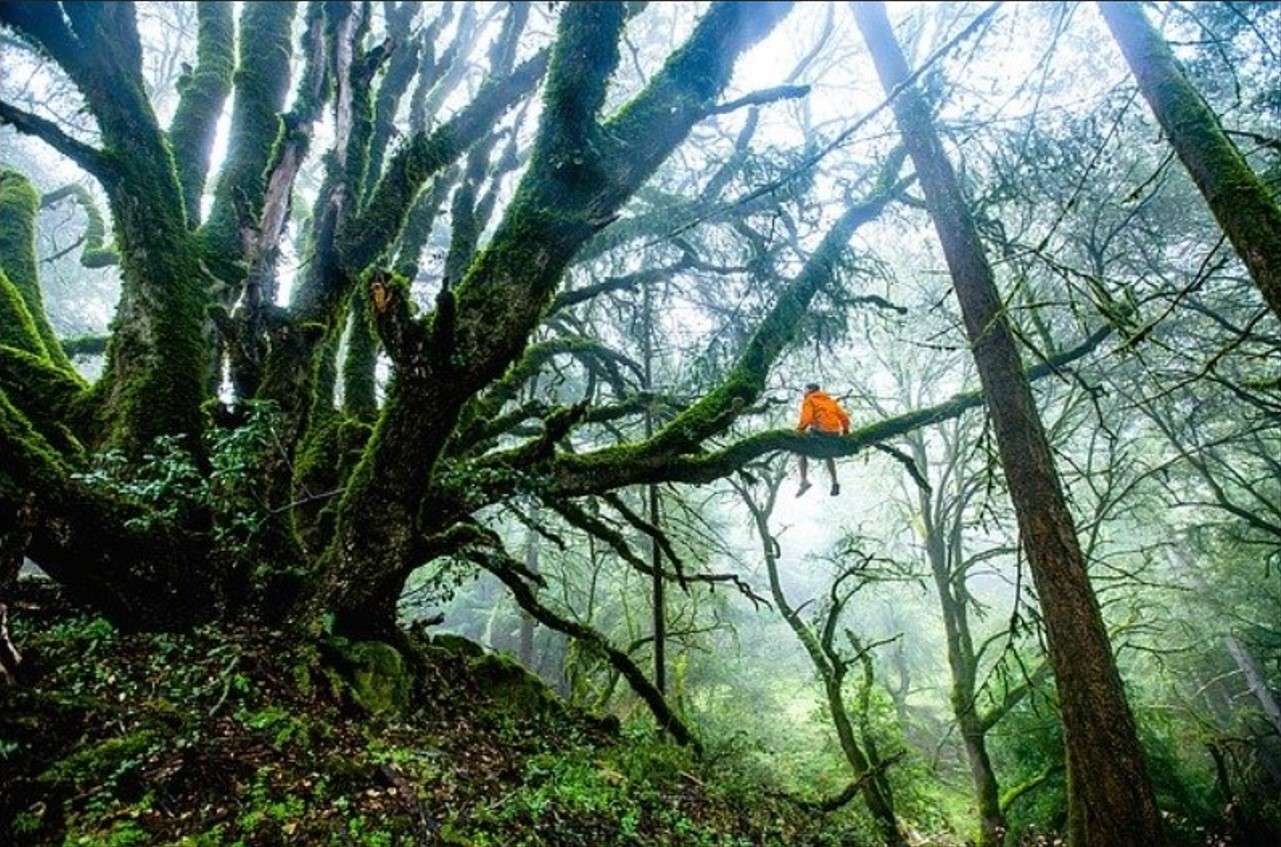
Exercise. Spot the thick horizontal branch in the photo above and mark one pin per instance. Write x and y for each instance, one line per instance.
(610, 468)
(85, 345)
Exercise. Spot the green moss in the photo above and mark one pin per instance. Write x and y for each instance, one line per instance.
(376, 673)
(360, 363)
(19, 203)
(511, 685)
(457, 645)
(54, 400)
(85, 345)
(261, 85)
(17, 329)
(100, 762)
(400, 72)
(418, 225)
(202, 92)
(95, 253)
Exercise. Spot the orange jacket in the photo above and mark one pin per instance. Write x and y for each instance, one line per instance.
(821, 412)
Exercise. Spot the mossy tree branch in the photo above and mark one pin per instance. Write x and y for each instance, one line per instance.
(19, 204)
(95, 252)
(262, 79)
(17, 329)
(372, 232)
(509, 573)
(746, 379)
(614, 467)
(156, 378)
(568, 192)
(140, 578)
(401, 69)
(89, 158)
(202, 92)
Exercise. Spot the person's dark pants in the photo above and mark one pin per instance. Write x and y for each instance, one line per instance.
(830, 463)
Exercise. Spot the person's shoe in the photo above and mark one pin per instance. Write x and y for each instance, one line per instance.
(836, 488)
(806, 485)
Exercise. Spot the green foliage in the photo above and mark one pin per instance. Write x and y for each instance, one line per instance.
(178, 491)
(217, 719)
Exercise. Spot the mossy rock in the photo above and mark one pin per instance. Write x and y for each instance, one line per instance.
(375, 672)
(97, 763)
(457, 645)
(511, 685)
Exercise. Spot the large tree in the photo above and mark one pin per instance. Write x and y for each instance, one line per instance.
(339, 501)
(1110, 797)
(1242, 204)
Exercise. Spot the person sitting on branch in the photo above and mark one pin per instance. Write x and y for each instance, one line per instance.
(823, 416)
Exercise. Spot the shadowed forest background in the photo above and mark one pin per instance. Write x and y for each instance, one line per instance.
(398, 423)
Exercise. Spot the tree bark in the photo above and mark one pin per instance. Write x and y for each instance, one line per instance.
(1255, 680)
(1240, 202)
(533, 547)
(1110, 797)
(203, 91)
(960, 652)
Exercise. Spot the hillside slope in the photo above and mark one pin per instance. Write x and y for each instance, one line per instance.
(255, 738)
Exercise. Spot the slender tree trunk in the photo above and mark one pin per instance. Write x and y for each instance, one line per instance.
(656, 553)
(1110, 797)
(962, 664)
(862, 762)
(527, 622)
(1246, 212)
(1255, 680)
(987, 791)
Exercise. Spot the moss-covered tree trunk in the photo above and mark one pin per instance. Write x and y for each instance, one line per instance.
(202, 92)
(831, 670)
(18, 205)
(1248, 214)
(261, 84)
(1110, 796)
(581, 171)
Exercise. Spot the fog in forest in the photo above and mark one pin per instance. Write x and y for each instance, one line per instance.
(356, 356)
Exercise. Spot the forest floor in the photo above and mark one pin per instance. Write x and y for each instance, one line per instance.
(257, 738)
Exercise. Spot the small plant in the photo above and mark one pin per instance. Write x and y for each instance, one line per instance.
(176, 492)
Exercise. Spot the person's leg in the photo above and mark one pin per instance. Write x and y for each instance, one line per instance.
(831, 472)
(805, 476)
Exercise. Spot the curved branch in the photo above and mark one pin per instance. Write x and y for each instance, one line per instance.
(89, 158)
(507, 571)
(609, 468)
(96, 253)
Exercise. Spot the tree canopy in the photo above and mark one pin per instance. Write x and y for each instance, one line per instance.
(349, 319)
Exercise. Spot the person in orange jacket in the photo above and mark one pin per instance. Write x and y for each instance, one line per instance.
(822, 415)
